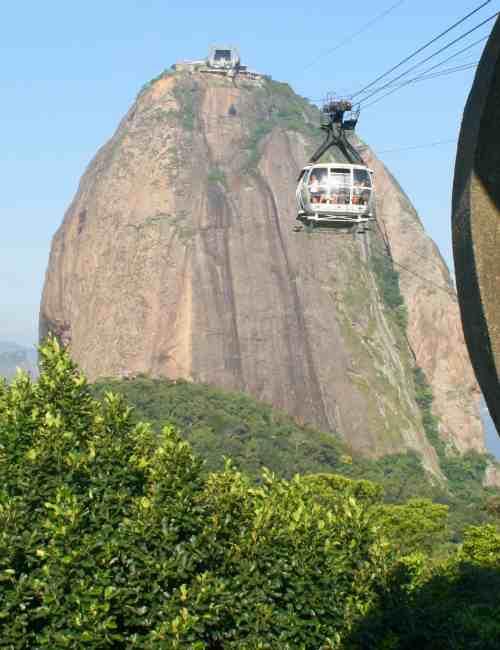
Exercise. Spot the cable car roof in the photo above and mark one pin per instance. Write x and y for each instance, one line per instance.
(327, 165)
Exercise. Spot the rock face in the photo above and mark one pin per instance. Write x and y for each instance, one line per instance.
(434, 327)
(476, 223)
(177, 258)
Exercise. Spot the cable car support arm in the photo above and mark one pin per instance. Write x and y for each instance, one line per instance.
(335, 124)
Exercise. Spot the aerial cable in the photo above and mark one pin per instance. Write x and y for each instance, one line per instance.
(465, 49)
(437, 65)
(409, 82)
(453, 56)
(419, 146)
(389, 253)
(417, 65)
(413, 80)
(443, 73)
(350, 38)
(449, 290)
(420, 49)
(386, 251)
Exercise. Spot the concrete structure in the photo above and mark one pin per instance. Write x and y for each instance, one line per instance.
(476, 223)
(221, 59)
(224, 57)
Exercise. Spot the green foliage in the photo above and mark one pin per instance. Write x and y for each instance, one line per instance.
(465, 496)
(493, 506)
(424, 399)
(452, 605)
(460, 470)
(401, 475)
(418, 525)
(111, 536)
(285, 110)
(218, 423)
(216, 175)
(186, 95)
(252, 146)
(423, 391)
(388, 283)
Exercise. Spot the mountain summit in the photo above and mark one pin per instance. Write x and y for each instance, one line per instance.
(177, 258)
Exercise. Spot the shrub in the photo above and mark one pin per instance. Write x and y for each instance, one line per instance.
(112, 537)
(452, 605)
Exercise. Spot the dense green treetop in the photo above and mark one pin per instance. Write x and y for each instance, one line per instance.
(254, 435)
(112, 535)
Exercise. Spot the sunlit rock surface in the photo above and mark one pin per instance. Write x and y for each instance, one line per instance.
(177, 258)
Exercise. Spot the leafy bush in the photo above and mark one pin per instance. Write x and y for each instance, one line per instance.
(449, 606)
(111, 536)
(218, 423)
(418, 525)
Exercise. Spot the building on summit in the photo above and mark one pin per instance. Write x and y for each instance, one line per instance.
(221, 59)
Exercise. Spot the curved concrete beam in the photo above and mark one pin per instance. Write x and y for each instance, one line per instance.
(476, 223)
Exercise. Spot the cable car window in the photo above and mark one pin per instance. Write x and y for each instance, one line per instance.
(320, 174)
(362, 178)
(318, 184)
(340, 185)
(340, 176)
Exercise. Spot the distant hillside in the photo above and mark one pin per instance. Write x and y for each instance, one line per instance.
(8, 346)
(13, 356)
(222, 424)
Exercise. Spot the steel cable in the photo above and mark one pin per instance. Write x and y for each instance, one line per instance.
(420, 49)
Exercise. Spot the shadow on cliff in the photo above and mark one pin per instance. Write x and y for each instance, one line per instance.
(457, 609)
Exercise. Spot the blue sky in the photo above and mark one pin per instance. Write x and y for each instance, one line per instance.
(70, 70)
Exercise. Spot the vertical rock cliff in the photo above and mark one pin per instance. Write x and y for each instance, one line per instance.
(434, 327)
(177, 258)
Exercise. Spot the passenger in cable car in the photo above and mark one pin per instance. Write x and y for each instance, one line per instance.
(314, 189)
(321, 190)
(317, 186)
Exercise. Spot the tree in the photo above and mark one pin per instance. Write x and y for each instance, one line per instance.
(111, 536)
(451, 605)
(418, 525)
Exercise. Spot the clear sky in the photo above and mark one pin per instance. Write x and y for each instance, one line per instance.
(70, 70)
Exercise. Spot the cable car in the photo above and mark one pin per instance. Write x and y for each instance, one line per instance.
(336, 193)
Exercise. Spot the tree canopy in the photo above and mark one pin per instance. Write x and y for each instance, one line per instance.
(112, 535)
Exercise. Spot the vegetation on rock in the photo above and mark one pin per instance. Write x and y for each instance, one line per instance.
(285, 110)
(220, 424)
(388, 284)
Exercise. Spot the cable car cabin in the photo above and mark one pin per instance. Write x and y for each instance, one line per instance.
(335, 193)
